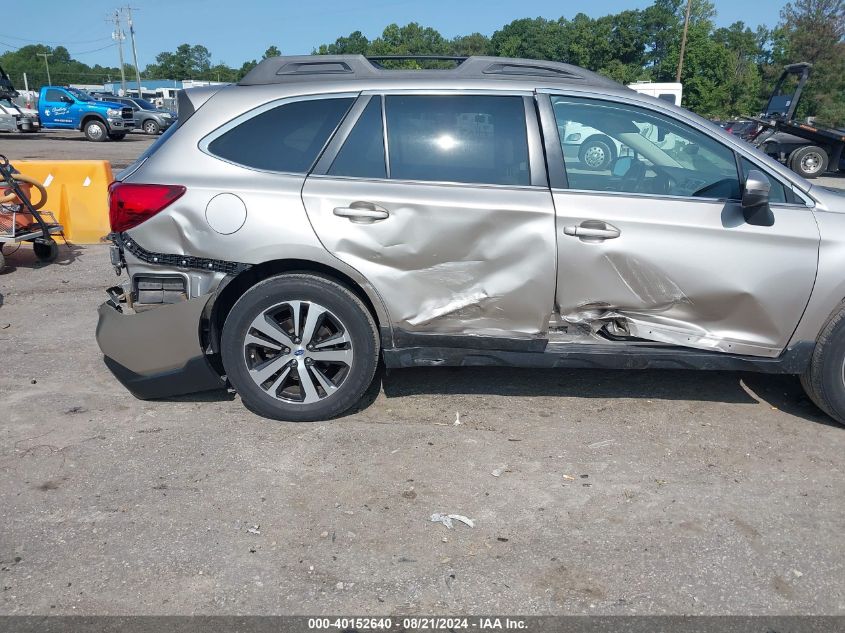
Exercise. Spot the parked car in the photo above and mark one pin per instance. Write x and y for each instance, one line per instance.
(147, 117)
(26, 119)
(744, 129)
(63, 108)
(325, 212)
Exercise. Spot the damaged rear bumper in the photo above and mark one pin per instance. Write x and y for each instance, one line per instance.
(157, 353)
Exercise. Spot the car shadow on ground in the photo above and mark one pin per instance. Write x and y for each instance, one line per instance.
(22, 256)
(778, 391)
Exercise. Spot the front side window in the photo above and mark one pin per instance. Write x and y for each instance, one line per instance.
(611, 146)
(471, 139)
(287, 138)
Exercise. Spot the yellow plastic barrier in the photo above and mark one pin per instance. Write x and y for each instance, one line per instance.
(77, 194)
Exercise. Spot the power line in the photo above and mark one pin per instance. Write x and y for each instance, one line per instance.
(94, 50)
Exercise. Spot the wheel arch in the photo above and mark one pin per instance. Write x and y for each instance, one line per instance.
(92, 116)
(233, 288)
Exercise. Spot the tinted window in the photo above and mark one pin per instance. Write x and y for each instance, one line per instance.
(475, 139)
(777, 194)
(54, 96)
(667, 96)
(285, 138)
(362, 155)
(614, 147)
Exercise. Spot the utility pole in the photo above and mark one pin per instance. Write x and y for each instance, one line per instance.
(129, 10)
(45, 56)
(683, 43)
(119, 36)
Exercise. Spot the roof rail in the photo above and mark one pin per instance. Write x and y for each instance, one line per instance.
(277, 70)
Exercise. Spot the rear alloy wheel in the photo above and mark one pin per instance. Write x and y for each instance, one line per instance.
(299, 347)
(151, 127)
(809, 161)
(96, 131)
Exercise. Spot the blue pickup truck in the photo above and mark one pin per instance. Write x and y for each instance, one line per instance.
(63, 108)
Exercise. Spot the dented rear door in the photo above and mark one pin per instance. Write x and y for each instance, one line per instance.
(453, 224)
(671, 266)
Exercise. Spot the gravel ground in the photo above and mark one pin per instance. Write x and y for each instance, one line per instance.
(618, 492)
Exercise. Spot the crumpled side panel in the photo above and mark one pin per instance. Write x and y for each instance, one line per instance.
(686, 272)
(448, 259)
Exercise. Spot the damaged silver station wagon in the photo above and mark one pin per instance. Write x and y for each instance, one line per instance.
(327, 211)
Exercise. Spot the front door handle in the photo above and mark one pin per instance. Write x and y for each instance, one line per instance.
(593, 229)
(362, 213)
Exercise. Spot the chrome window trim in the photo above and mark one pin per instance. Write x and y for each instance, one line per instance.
(384, 139)
(658, 196)
(439, 183)
(206, 140)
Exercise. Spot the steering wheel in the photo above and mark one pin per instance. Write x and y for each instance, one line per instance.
(632, 177)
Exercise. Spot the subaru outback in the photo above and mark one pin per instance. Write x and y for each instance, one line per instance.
(326, 212)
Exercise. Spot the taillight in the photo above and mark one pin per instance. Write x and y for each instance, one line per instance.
(131, 204)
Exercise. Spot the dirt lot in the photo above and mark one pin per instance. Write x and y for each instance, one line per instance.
(619, 493)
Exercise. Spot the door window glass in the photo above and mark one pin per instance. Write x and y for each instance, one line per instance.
(54, 96)
(472, 139)
(286, 138)
(615, 147)
(362, 154)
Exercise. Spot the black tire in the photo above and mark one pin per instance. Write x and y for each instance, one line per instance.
(150, 127)
(95, 130)
(824, 378)
(117, 136)
(809, 161)
(596, 153)
(358, 324)
(2, 260)
(46, 252)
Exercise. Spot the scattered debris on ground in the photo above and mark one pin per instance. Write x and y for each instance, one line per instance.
(447, 519)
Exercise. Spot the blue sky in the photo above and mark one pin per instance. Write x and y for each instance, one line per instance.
(237, 31)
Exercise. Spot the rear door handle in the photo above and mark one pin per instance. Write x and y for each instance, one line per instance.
(362, 212)
(593, 229)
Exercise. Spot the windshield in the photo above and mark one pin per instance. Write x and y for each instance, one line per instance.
(80, 95)
(144, 104)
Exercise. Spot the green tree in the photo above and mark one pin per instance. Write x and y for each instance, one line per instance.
(186, 62)
(812, 31)
(273, 51)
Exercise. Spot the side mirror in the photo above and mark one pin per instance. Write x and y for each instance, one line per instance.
(67, 99)
(755, 199)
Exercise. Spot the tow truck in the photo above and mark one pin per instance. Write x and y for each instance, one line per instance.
(806, 148)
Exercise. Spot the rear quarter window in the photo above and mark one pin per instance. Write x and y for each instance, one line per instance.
(286, 138)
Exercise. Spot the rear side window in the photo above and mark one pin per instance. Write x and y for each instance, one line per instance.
(287, 138)
(362, 154)
(472, 139)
